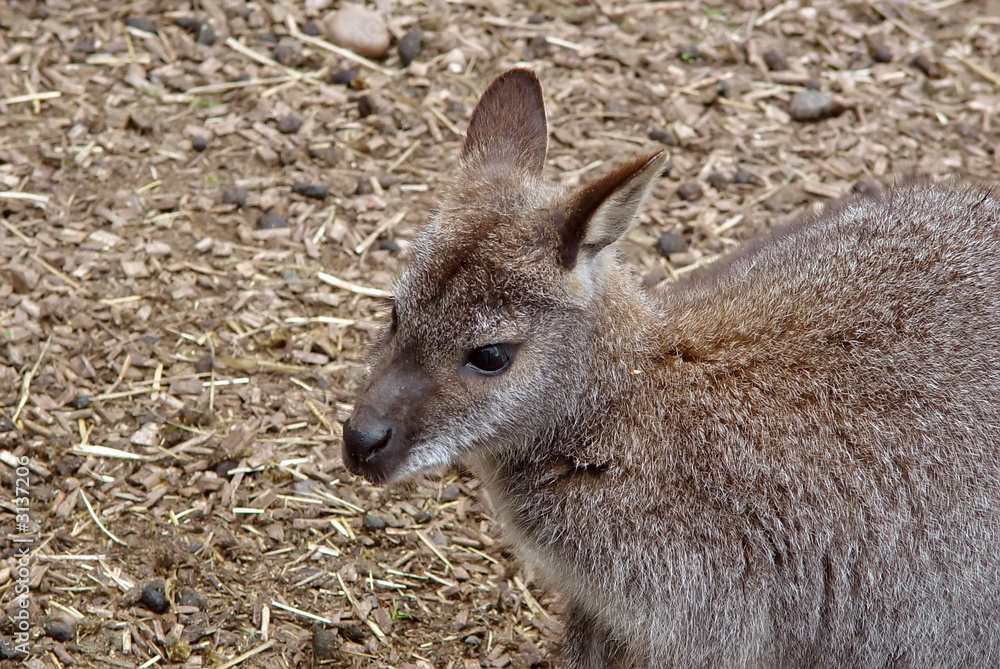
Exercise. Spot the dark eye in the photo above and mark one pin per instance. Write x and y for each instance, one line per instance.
(491, 359)
(394, 322)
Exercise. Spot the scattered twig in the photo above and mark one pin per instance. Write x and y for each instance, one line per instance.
(388, 223)
(56, 273)
(300, 612)
(97, 520)
(319, 416)
(31, 97)
(236, 46)
(357, 611)
(240, 659)
(983, 71)
(402, 157)
(294, 31)
(121, 373)
(351, 287)
(530, 600)
(105, 452)
(26, 381)
(435, 550)
(224, 87)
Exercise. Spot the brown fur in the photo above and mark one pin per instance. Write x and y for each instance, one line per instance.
(791, 460)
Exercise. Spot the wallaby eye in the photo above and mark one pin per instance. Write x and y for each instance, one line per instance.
(491, 359)
(394, 319)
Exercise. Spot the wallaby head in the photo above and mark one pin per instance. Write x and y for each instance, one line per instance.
(490, 321)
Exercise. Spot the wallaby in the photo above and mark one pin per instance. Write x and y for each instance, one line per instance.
(790, 460)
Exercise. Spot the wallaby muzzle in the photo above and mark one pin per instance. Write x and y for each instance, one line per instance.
(379, 435)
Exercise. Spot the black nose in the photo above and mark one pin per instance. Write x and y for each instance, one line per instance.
(367, 442)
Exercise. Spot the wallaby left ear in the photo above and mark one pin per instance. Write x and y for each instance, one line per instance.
(508, 124)
(599, 213)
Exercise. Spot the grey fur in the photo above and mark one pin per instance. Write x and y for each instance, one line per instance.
(790, 460)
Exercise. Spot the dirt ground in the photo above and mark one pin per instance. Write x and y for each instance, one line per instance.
(201, 204)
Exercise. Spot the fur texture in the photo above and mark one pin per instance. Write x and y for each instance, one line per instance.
(791, 460)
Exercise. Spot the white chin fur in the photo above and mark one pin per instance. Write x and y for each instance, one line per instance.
(426, 457)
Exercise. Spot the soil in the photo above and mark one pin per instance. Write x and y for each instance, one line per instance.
(202, 205)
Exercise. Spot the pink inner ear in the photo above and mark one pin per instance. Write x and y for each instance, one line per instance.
(508, 124)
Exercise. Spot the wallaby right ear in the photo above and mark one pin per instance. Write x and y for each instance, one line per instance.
(508, 125)
(601, 212)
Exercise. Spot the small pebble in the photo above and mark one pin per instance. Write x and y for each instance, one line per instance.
(690, 52)
(365, 106)
(60, 628)
(309, 28)
(344, 77)
(288, 155)
(538, 47)
(190, 597)
(717, 179)
(422, 517)
(313, 191)
(410, 45)
(967, 131)
(374, 523)
(450, 493)
(236, 195)
(809, 105)
(741, 176)
(288, 52)
(326, 153)
(80, 402)
(355, 633)
(358, 29)
(153, 597)
(270, 221)
(85, 46)
(929, 67)
(199, 143)
(390, 245)
(222, 469)
(289, 125)
(879, 50)
(662, 135)
(775, 60)
(204, 364)
(206, 34)
(536, 18)
(689, 191)
(188, 23)
(670, 242)
(140, 23)
(8, 651)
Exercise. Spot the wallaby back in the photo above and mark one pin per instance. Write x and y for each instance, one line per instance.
(790, 460)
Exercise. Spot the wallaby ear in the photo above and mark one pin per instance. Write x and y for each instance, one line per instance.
(599, 213)
(508, 124)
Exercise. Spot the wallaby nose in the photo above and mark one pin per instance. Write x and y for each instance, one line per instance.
(368, 441)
